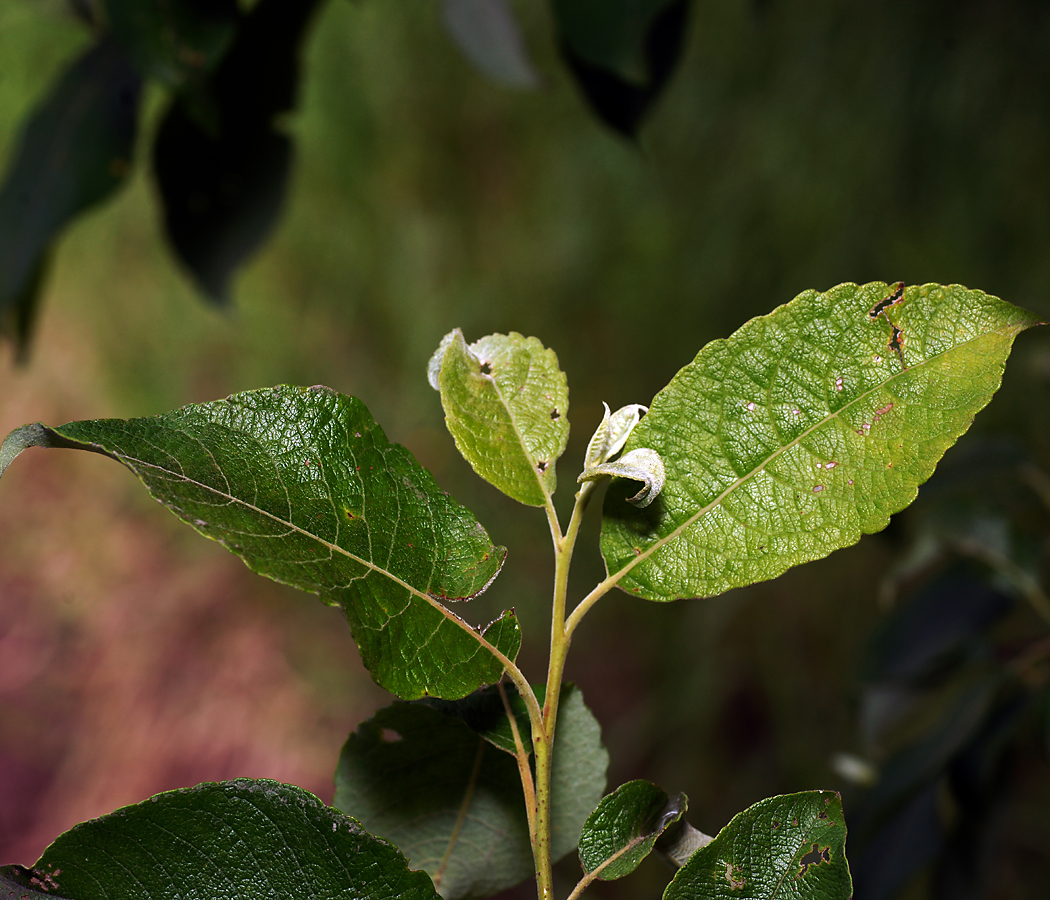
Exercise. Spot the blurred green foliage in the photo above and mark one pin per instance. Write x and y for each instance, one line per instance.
(798, 145)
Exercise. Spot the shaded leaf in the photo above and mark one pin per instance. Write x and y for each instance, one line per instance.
(488, 34)
(222, 164)
(236, 839)
(506, 404)
(74, 152)
(173, 41)
(438, 789)
(801, 432)
(622, 53)
(483, 713)
(788, 846)
(623, 828)
(304, 486)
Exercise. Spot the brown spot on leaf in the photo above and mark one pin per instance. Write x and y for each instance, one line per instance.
(735, 877)
(486, 367)
(555, 415)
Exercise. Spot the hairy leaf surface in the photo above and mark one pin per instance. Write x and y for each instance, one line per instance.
(303, 485)
(420, 776)
(228, 841)
(802, 431)
(788, 846)
(622, 830)
(505, 402)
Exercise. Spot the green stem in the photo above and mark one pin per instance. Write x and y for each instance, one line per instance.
(543, 737)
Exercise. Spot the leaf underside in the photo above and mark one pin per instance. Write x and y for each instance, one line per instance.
(788, 846)
(237, 839)
(304, 486)
(802, 431)
(419, 775)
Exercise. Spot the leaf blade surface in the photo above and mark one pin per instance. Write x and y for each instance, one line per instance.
(236, 839)
(505, 402)
(303, 485)
(802, 431)
(788, 846)
(624, 828)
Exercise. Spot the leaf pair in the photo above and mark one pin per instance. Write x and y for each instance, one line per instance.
(788, 845)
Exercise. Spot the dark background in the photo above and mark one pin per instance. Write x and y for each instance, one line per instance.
(798, 145)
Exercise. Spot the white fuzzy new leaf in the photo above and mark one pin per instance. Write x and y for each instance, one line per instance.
(612, 434)
(643, 465)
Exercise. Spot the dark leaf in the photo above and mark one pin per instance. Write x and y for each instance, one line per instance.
(229, 841)
(222, 164)
(622, 54)
(453, 804)
(74, 152)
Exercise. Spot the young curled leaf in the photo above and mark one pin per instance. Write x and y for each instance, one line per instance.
(642, 464)
(612, 434)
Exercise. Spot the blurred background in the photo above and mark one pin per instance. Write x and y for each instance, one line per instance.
(792, 146)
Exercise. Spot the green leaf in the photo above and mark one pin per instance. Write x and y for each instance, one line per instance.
(424, 779)
(238, 839)
(173, 41)
(74, 152)
(304, 486)
(621, 832)
(788, 846)
(803, 431)
(505, 402)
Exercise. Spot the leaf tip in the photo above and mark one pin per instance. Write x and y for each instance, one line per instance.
(34, 435)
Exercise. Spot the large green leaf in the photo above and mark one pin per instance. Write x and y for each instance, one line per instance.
(803, 431)
(505, 402)
(241, 840)
(788, 846)
(305, 487)
(421, 776)
(625, 826)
